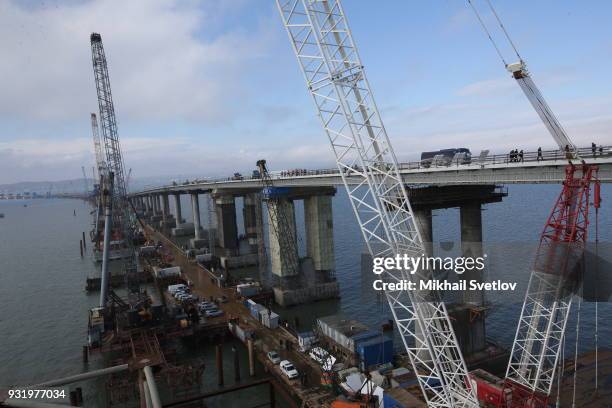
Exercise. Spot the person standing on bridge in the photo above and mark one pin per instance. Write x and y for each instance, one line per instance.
(521, 155)
(540, 154)
(594, 149)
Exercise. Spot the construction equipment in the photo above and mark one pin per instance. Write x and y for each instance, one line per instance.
(283, 239)
(100, 161)
(556, 272)
(521, 74)
(335, 77)
(122, 214)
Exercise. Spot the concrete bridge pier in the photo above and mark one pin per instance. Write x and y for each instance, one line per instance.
(151, 206)
(196, 242)
(284, 261)
(313, 277)
(177, 209)
(469, 310)
(157, 216)
(167, 218)
(250, 218)
(147, 204)
(227, 228)
(424, 222)
(473, 301)
(319, 229)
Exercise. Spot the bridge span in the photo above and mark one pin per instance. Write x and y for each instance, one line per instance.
(490, 169)
(466, 185)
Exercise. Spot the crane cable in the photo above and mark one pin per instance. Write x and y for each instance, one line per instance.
(488, 33)
(596, 299)
(576, 346)
(501, 25)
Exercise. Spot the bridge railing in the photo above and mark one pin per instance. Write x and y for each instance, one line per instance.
(482, 160)
(495, 159)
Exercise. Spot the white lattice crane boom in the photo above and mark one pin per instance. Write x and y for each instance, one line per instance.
(114, 159)
(95, 132)
(335, 77)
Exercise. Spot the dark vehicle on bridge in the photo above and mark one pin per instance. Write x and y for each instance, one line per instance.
(446, 157)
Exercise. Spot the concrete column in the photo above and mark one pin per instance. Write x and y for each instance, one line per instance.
(195, 208)
(165, 209)
(280, 259)
(319, 230)
(159, 204)
(471, 246)
(423, 221)
(177, 209)
(250, 217)
(227, 229)
(155, 199)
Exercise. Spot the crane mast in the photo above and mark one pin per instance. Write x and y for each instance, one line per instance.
(521, 75)
(556, 271)
(554, 279)
(122, 212)
(281, 225)
(335, 77)
(95, 132)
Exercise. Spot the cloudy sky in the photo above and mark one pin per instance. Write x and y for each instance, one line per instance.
(208, 87)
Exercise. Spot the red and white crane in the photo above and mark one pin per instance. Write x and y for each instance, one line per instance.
(557, 266)
(335, 77)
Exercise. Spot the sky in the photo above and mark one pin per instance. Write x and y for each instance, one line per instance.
(206, 88)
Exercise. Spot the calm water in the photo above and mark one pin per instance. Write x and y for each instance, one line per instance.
(43, 317)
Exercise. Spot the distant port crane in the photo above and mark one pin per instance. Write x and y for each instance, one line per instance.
(122, 212)
(335, 77)
(559, 258)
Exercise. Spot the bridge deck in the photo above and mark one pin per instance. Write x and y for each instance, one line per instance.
(490, 169)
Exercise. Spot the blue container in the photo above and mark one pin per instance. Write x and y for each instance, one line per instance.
(390, 402)
(365, 336)
(274, 192)
(375, 351)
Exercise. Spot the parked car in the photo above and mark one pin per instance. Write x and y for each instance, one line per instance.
(205, 308)
(213, 313)
(273, 357)
(288, 369)
(322, 357)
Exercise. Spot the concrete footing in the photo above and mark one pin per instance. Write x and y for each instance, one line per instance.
(197, 243)
(320, 291)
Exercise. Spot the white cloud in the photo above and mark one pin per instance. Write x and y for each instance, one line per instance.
(160, 68)
(488, 87)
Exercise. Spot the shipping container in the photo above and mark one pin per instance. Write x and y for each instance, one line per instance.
(166, 272)
(375, 351)
(248, 289)
(341, 330)
(255, 308)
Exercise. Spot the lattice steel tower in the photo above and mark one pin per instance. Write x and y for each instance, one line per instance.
(114, 159)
